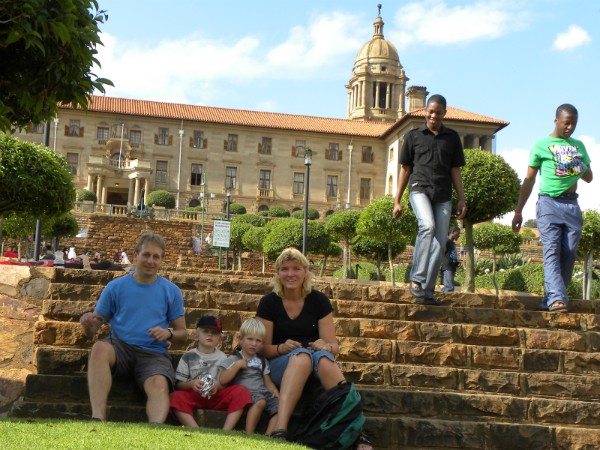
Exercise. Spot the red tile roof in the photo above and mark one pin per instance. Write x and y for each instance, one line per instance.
(262, 119)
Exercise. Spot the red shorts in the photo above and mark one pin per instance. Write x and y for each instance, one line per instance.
(230, 399)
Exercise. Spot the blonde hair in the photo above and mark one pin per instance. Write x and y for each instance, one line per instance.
(254, 327)
(294, 255)
(149, 237)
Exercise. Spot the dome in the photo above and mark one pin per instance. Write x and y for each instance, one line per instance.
(377, 49)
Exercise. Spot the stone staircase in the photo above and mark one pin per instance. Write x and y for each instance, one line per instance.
(479, 372)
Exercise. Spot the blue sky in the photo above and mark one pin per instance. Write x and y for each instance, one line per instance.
(514, 60)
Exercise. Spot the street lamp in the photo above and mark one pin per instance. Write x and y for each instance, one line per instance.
(227, 217)
(307, 163)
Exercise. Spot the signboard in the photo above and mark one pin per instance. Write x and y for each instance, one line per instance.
(221, 233)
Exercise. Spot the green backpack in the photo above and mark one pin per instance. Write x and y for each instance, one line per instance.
(335, 421)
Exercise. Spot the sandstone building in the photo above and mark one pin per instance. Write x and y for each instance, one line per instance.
(121, 148)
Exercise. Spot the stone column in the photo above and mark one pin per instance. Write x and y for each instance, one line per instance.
(146, 186)
(90, 182)
(388, 95)
(136, 195)
(104, 196)
(377, 88)
(475, 141)
(99, 187)
(130, 193)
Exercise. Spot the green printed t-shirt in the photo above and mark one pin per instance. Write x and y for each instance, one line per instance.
(561, 162)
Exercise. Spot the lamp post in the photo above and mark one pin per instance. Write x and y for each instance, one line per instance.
(228, 195)
(55, 128)
(350, 148)
(307, 163)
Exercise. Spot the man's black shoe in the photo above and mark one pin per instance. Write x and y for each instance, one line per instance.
(428, 301)
(416, 290)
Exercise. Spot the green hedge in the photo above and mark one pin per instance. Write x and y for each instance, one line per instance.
(366, 271)
(85, 195)
(161, 198)
(237, 208)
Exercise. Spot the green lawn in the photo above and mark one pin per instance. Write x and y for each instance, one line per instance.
(53, 434)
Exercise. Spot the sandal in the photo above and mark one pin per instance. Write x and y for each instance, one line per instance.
(363, 443)
(280, 434)
(558, 306)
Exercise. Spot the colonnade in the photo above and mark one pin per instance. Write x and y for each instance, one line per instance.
(134, 192)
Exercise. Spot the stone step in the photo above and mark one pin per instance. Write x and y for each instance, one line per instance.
(377, 402)
(57, 361)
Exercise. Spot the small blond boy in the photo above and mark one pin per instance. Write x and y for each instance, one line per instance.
(248, 369)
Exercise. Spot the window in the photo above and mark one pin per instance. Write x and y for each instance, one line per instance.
(196, 179)
(161, 172)
(163, 136)
(365, 188)
(333, 152)
(73, 162)
(299, 149)
(198, 139)
(232, 141)
(135, 138)
(102, 135)
(391, 153)
(73, 128)
(298, 183)
(265, 147)
(265, 179)
(230, 177)
(332, 182)
(367, 154)
(39, 128)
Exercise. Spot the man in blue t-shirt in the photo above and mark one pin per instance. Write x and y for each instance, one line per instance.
(144, 311)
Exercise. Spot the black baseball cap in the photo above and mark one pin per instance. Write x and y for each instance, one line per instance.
(210, 322)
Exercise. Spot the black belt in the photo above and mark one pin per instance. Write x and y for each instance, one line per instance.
(565, 196)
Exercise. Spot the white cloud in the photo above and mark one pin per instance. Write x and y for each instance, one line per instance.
(197, 69)
(434, 22)
(574, 37)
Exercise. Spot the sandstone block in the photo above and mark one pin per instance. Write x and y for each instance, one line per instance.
(197, 299)
(234, 301)
(419, 376)
(577, 438)
(541, 361)
(440, 332)
(499, 317)
(563, 386)
(420, 433)
(480, 406)
(490, 335)
(594, 338)
(502, 436)
(65, 309)
(54, 361)
(492, 381)
(388, 329)
(554, 340)
(451, 355)
(12, 386)
(35, 288)
(75, 292)
(579, 363)
(345, 308)
(495, 357)
(347, 327)
(364, 373)
(565, 412)
(425, 314)
(365, 350)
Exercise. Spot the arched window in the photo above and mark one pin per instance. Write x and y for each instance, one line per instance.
(263, 208)
(329, 212)
(194, 202)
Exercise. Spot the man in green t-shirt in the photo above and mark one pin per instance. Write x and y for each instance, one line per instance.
(561, 161)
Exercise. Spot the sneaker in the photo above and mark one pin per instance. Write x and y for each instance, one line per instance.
(280, 434)
(416, 290)
(428, 301)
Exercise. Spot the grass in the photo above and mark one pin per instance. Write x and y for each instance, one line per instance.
(25, 434)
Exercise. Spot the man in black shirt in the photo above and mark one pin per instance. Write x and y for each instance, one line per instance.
(430, 161)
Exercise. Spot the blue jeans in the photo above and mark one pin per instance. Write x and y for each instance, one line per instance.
(280, 363)
(559, 222)
(448, 280)
(433, 219)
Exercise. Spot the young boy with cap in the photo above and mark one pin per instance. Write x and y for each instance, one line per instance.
(197, 385)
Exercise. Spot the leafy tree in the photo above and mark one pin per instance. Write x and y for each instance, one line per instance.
(279, 211)
(333, 250)
(161, 198)
(252, 219)
(253, 240)
(48, 49)
(236, 244)
(64, 225)
(376, 222)
(34, 180)
(286, 233)
(499, 239)
(530, 223)
(377, 251)
(341, 226)
(313, 214)
(19, 227)
(85, 195)
(237, 208)
(589, 248)
(527, 233)
(491, 190)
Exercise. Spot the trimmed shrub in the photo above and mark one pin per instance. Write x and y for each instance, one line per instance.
(279, 211)
(366, 271)
(263, 213)
(237, 208)
(313, 214)
(84, 196)
(161, 198)
(198, 208)
(252, 219)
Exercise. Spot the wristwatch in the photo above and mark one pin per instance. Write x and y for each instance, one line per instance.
(172, 334)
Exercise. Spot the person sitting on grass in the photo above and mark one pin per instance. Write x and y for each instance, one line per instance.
(248, 369)
(198, 386)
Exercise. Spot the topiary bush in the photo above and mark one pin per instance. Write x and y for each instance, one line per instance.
(237, 208)
(161, 198)
(85, 196)
(313, 214)
(198, 208)
(263, 213)
(252, 219)
(279, 211)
